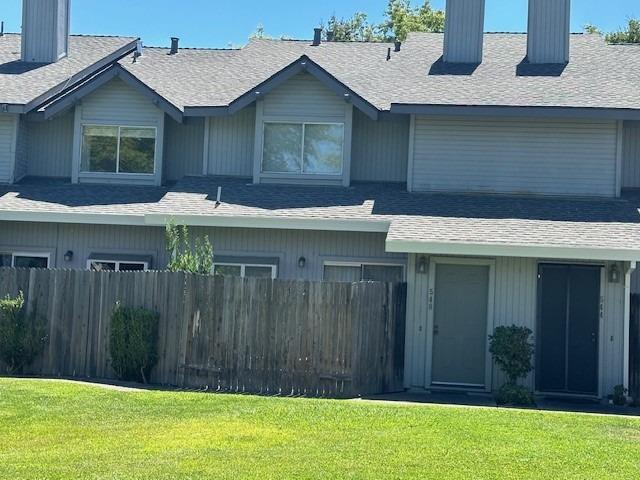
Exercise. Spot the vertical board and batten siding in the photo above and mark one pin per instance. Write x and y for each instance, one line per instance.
(231, 144)
(304, 96)
(50, 147)
(379, 149)
(45, 30)
(556, 157)
(515, 303)
(464, 31)
(286, 245)
(548, 31)
(116, 103)
(22, 142)
(224, 334)
(183, 147)
(631, 155)
(7, 146)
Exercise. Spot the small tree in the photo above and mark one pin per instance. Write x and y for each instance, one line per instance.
(185, 257)
(22, 336)
(133, 343)
(512, 351)
(631, 34)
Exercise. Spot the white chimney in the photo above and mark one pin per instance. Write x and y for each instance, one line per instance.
(463, 31)
(549, 31)
(45, 30)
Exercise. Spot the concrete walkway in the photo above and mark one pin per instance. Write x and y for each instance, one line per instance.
(486, 401)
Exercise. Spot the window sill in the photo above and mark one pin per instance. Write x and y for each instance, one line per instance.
(118, 178)
(301, 179)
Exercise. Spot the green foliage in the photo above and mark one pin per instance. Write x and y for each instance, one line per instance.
(629, 35)
(354, 29)
(512, 351)
(133, 342)
(591, 29)
(22, 336)
(511, 394)
(401, 18)
(619, 396)
(185, 257)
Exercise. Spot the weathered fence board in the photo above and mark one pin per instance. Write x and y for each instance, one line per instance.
(231, 334)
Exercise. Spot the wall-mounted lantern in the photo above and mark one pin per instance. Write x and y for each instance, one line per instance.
(614, 273)
(302, 262)
(68, 256)
(421, 266)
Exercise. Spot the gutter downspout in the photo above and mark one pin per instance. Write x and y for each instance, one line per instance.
(627, 323)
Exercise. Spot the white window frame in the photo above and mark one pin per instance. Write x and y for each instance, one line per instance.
(117, 263)
(361, 264)
(119, 127)
(29, 254)
(243, 266)
(304, 124)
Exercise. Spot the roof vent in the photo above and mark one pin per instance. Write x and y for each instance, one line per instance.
(548, 31)
(463, 31)
(175, 45)
(397, 45)
(330, 35)
(317, 36)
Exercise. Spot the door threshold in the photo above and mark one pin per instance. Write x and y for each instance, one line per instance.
(568, 396)
(469, 390)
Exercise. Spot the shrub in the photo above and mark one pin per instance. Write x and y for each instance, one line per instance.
(619, 396)
(512, 352)
(512, 394)
(133, 343)
(183, 257)
(22, 336)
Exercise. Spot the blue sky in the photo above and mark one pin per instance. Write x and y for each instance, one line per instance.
(215, 23)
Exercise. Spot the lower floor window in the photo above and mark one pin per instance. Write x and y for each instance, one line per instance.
(358, 272)
(116, 266)
(245, 270)
(24, 260)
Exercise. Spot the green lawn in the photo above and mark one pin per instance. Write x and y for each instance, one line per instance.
(51, 429)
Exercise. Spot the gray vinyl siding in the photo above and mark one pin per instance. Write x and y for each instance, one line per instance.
(21, 150)
(548, 31)
(116, 103)
(286, 245)
(183, 146)
(45, 29)
(463, 33)
(50, 147)
(556, 157)
(231, 144)
(379, 149)
(7, 146)
(631, 155)
(304, 96)
(515, 302)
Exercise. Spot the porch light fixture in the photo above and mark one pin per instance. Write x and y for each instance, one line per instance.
(421, 267)
(68, 256)
(614, 273)
(302, 262)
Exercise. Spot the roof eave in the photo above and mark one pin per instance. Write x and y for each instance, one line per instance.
(518, 111)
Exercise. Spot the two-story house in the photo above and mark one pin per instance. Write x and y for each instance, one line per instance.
(494, 173)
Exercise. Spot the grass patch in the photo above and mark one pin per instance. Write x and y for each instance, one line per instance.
(59, 430)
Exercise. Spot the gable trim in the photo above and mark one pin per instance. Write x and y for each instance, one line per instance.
(303, 64)
(73, 97)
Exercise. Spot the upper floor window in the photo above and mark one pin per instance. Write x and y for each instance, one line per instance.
(118, 149)
(304, 148)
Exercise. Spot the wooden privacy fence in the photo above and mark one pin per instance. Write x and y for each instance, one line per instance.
(231, 334)
(634, 349)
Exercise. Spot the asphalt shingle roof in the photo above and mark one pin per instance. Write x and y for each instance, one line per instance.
(598, 75)
(441, 218)
(22, 82)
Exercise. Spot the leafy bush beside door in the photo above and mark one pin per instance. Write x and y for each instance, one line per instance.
(133, 343)
(512, 352)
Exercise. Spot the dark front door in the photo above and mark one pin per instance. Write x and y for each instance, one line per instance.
(568, 320)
